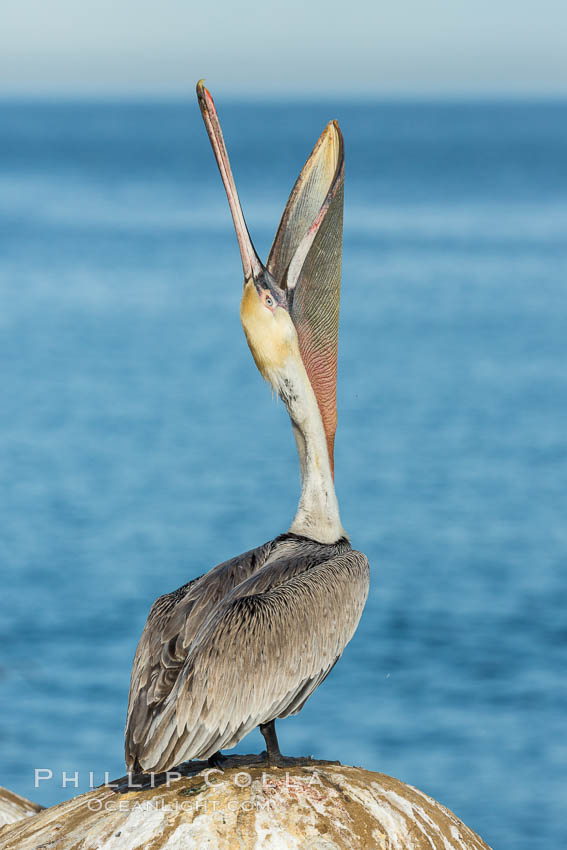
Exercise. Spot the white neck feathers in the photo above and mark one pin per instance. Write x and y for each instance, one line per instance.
(274, 345)
(317, 514)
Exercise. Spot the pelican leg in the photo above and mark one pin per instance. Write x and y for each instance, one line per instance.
(273, 754)
(216, 760)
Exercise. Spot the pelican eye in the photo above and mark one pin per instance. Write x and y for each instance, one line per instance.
(269, 301)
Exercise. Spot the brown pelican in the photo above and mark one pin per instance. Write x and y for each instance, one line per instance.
(250, 640)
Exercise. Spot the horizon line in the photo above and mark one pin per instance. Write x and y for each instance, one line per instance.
(285, 96)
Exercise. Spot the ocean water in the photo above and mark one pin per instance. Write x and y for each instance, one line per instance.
(139, 446)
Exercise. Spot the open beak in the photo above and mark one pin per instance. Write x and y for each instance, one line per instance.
(251, 264)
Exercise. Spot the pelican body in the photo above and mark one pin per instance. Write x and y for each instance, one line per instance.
(249, 641)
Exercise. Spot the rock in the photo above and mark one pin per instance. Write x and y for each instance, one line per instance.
(13, 807)
(306, 806)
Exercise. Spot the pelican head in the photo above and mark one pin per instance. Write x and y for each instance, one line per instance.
(264, 308)
(290, 306)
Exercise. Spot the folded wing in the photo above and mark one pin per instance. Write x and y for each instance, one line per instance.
(259, 656)
(173, 623)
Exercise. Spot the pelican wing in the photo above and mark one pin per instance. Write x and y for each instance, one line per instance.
(257, 657)
(306, 259)
(173, 623)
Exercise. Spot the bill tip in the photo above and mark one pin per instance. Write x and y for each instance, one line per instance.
(202, 91)
(204, 95)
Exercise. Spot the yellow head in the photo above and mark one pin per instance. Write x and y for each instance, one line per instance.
(268, 327)
(290, 306)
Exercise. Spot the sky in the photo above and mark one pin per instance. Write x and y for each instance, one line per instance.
(301, 47)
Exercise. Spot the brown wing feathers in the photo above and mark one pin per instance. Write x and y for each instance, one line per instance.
(258, 657)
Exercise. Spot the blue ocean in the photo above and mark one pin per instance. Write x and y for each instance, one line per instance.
(139, 445)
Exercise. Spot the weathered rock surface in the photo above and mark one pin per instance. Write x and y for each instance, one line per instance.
(13, 807)
(311, 806)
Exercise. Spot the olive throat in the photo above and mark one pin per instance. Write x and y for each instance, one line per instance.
(273, 341)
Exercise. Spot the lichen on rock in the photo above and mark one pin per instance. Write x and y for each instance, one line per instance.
(13, 807)
(306, 806)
